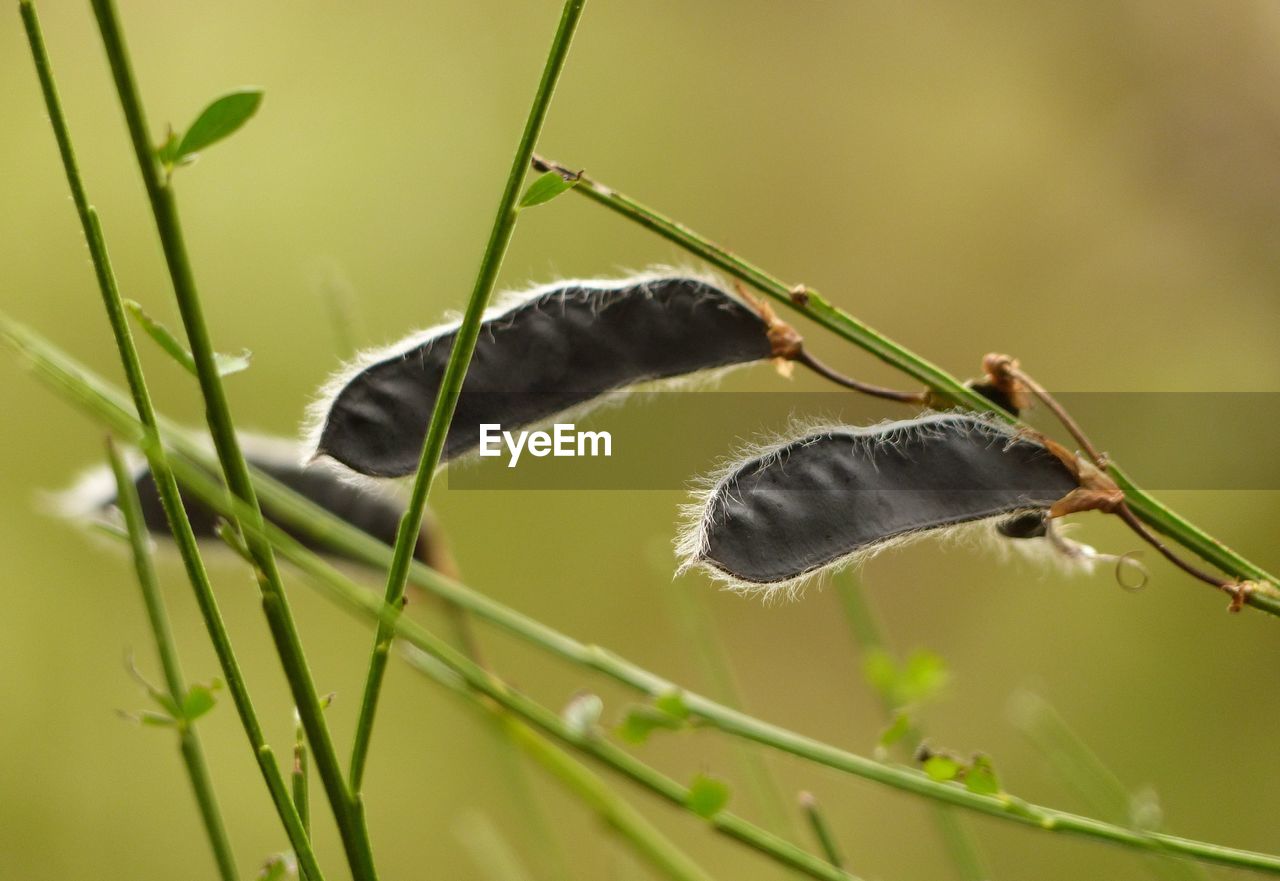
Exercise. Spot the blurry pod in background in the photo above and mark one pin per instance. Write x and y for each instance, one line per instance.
(833, 496)
(544, 353)
(373, 510)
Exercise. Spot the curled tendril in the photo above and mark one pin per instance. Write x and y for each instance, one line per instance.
(1130, 560)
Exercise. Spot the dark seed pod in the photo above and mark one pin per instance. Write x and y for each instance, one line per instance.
(1028, 524)
(836, 495)
(556, 349)
(365, 507)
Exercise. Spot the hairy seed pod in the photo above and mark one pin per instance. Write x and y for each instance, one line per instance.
(836, 495)
(553, 349)
(367, 508)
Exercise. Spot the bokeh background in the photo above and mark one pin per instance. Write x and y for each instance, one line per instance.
(1094, 186)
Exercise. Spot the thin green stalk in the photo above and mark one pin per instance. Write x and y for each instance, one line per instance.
(464, 344)
(701, 634)
(99, 400)
(629, 823)
(301, 781)
(493, 856)
(1082, 770)
(631, 826)
(347, 808)
(300, 787)
(812, 304)
(959, 841)
(538, 830)
(821, 830)
(166, 486)
(541, 836)
(158, 618)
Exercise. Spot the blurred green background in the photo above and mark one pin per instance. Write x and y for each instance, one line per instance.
(1094, 186)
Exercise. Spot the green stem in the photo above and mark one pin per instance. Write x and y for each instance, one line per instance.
(701, 634)
(166, 486)
(956, 836)
(158, 618)
(821, 830)
(347, 808)
(615, 812)
(300, 788)
(539, 836)
(101, 401)
(810, 303)
(464, 344)
(301, 780)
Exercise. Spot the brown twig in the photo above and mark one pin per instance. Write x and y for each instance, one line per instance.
(788, 346)
(803, 357)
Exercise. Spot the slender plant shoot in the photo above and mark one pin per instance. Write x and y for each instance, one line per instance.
(455, 372)
(348, 810)
(140, 400)
(178, 694)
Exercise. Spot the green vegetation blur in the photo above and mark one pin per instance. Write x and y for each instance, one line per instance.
(1093, 186)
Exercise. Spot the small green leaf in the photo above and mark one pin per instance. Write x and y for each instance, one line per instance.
(981, 776)
(707, 796)
(672, 703)
(881, 672)
(220, 119)
(199, 700)
(923, 676)
(546, 188)
(164, 338)
(642, 720)
(167, 152)
(582, 714)
(156, 720)
(897, 730)
(941, 767)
